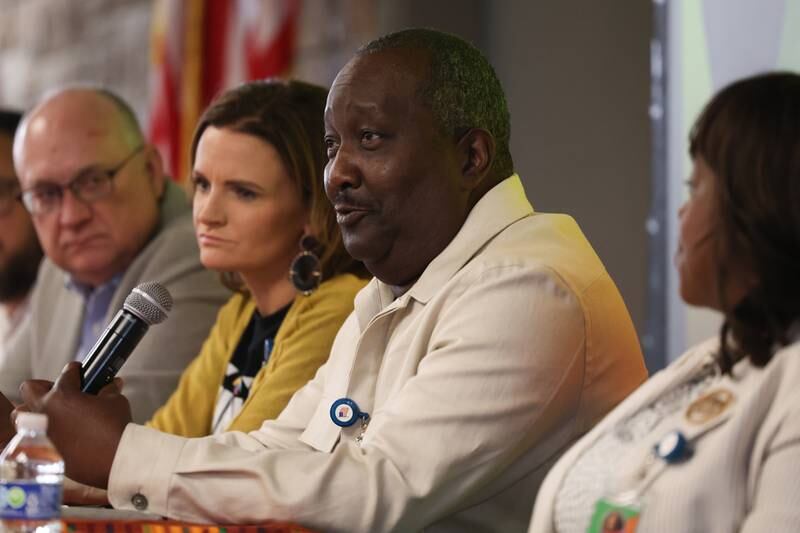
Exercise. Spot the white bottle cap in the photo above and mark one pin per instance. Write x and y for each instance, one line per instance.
(32, 421)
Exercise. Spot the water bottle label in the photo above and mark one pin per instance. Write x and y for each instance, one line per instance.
(29, 500)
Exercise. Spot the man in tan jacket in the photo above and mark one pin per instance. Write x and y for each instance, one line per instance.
(490, 338)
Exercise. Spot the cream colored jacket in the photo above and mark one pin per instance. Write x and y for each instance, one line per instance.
(744, 474)
(512, 343)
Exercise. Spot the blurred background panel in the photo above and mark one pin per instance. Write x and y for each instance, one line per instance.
(601, 93)
(169, 57)
(46, 43)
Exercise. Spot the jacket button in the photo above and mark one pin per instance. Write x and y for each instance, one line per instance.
(139, 501)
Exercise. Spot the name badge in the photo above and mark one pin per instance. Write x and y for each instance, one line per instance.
(612, 517)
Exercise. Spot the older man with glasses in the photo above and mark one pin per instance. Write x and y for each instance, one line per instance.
(20, 252)
(108, 219)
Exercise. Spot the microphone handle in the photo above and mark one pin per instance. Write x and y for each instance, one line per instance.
(111, 351)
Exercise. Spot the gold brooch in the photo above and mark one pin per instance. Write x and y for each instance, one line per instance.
(709, 406)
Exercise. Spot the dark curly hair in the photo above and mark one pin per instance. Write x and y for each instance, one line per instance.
(289, 116)
(462, 91)
(749, 135)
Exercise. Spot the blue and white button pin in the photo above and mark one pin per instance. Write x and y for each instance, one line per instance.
(345, 412)
(673, 447)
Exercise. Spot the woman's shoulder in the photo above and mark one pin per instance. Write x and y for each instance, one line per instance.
(343, 283)
(332, 301)
(696, 356)
(782, 373)
(340, 290)
(789, 355)
(690, 362)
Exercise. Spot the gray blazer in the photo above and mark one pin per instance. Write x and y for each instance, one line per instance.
(744, 474)
(50, 338)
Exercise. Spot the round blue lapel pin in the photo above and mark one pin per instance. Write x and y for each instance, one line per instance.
(344, 412)
(674, 447)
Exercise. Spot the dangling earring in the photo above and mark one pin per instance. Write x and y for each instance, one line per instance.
(306, 270)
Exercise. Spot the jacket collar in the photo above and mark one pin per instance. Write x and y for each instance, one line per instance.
(503, 205)
(499, 208)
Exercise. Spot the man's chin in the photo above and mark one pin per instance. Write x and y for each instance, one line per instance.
(386, 269)
(364, 248)
(357, 244)
(90, 271)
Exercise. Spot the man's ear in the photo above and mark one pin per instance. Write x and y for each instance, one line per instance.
(154, 166)
(477, 151)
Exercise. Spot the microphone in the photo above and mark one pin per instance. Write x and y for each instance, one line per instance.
(147, 304)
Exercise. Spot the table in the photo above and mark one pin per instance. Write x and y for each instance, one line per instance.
(103, 520)
(168, 526)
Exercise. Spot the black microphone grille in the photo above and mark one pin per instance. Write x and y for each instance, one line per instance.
(149, 301)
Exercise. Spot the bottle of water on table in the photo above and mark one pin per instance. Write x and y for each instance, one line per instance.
(31, 479)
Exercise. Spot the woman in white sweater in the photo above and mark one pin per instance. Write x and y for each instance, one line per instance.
(712, 443)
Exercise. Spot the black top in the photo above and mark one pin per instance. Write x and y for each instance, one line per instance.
(251, 353)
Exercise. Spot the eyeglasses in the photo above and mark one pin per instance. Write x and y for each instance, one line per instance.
(9, 195)
(88, 186)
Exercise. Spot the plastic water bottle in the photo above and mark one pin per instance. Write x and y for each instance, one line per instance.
(31, 479)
